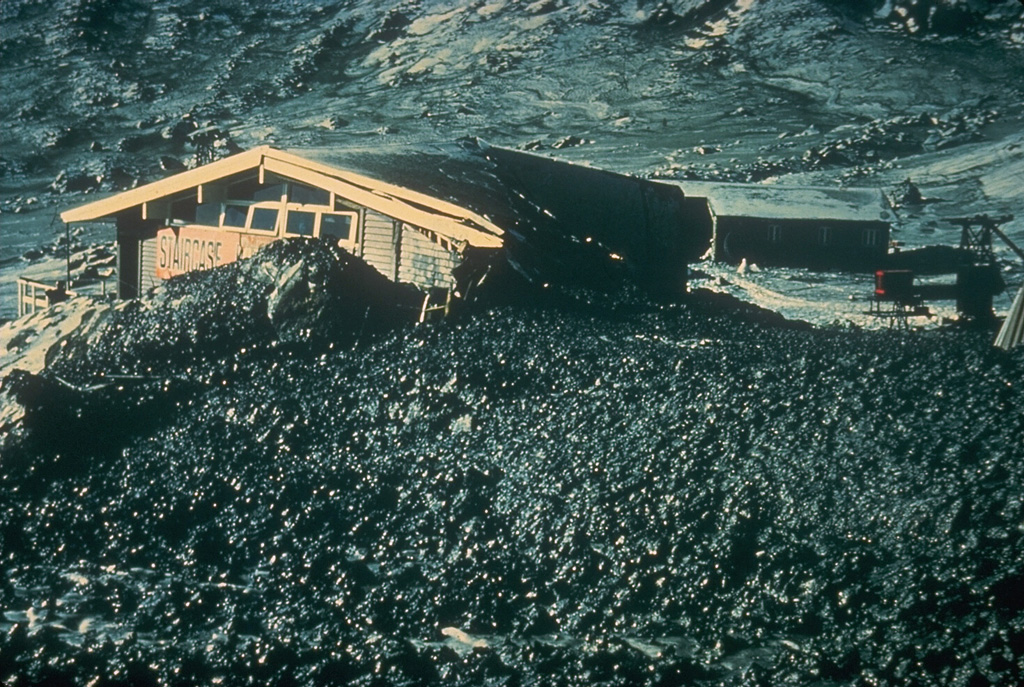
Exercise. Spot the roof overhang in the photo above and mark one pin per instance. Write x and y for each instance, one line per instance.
(781, 202)
(448, 220)
(172, 185)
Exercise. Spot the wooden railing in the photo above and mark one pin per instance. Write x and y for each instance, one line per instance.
(35, 295)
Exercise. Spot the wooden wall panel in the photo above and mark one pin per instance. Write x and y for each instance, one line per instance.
(380, 243)
(423, 262)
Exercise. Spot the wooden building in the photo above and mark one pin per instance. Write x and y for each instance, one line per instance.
(786, 226)
(225, 210)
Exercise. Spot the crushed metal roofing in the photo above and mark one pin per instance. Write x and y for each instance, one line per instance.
(1011, 334)
(791, 202)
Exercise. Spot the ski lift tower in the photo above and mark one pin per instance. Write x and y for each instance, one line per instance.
(980, 279)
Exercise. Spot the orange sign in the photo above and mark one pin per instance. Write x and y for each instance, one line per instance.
(183, 249)
(249, 244)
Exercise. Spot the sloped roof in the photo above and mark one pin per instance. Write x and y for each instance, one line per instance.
(791, 202)
(553, 212)
(435, 214)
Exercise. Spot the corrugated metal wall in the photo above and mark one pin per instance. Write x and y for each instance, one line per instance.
(380, 242)
(147, 265)
(423, 262)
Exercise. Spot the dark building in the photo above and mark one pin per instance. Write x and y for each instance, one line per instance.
(787, 226)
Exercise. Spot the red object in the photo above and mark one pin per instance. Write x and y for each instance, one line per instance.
(892, 285)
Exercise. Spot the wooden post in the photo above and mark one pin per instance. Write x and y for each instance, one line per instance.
(67, 251)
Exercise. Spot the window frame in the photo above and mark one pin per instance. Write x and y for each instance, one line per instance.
(353, 215)
(283, 208)
(318, 212)
(242, 205)
(264, 205)
(296, 207)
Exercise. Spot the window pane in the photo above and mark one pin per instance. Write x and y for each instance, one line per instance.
(336, 226)
(264, 218)
(300, 223)
(244, 189)
(307, 195)
(269, 193)
(234, 215)
(208, 214)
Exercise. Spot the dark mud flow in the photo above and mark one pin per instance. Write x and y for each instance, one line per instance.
(596, 490)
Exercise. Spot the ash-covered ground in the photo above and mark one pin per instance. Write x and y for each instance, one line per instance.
(235, 483)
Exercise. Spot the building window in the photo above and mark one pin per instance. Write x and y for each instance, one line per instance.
(264, 219)
(311, 212)
(270, 193)
(235, 215)
(301, 223)
(871, 237)
(824, 236)
(336, 226)
(774, 234)
(208, 214)
(308, 195)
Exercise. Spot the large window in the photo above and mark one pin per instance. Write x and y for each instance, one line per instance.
(208, 214)
(264, 218)
(308, 195)
(301, 222)
(338, 226)
(308, 222)
(235, 215)
(239, 215)
(290, 209)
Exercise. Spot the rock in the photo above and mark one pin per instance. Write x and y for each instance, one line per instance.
(138, 142)
(67, 182)
(568, 142)
(121, 178)
(334, 122)
(663, 15)
(292, 291)
(393, 27)
(179, 132)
